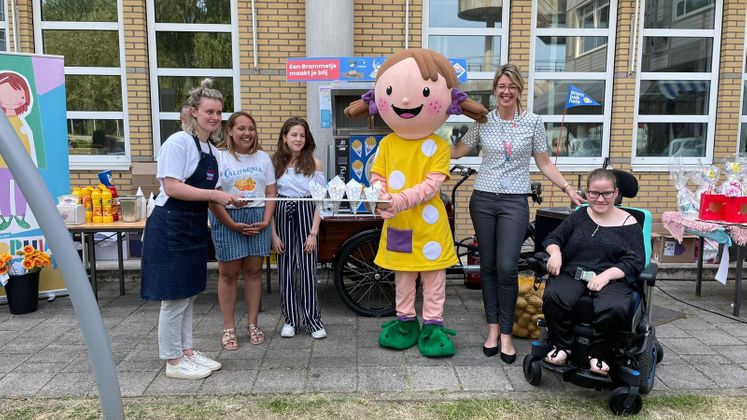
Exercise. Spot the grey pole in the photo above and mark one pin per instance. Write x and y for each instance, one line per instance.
(94, 331)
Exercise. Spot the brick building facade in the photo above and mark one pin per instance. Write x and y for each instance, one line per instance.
(671, 75)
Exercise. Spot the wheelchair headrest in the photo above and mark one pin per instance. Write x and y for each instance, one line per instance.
(626, 183)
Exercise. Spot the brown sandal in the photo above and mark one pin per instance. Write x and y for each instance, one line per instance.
(256, 336)
(229, 340)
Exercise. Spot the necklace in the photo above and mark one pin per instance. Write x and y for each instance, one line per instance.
(595, 230)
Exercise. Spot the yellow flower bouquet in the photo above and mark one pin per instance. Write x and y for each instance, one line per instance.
(33, 261)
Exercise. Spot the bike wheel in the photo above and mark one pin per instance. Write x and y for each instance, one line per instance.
(363, 286)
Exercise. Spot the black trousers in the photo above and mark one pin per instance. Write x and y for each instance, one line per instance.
(611, 311)
(500, 222)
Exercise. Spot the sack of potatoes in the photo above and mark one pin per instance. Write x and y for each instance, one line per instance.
(528, 307)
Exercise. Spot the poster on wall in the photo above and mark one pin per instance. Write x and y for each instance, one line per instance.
(32, 97)
(363, 150)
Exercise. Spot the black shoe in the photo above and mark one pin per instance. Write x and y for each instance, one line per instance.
(508, 358)
(491, 351)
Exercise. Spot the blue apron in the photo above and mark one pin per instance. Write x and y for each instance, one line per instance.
(174, 263)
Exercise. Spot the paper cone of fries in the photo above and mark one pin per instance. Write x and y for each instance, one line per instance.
(373, 193)
(336, 189)
(353, 190)
(318, 193)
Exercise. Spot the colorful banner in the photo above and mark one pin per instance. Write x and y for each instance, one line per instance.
(348, 69)
(32, 96)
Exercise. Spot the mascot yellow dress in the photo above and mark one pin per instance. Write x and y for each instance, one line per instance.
(415, 91)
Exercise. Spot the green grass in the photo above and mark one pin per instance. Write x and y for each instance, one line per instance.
(331, 406)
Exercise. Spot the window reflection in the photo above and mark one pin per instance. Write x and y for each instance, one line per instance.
(465, 14)
(550, 96)
(453, 132)
(79, 11)
(573, 14)
(675, 54)
(83, 48)
(201, 50)
(743, 139)
(195, 11)
(574, 140)
(96, 137)
(672, 139)
(93, 93)
(674, 97)
(679, 14)
(172, 91)
(483, 53)
(575, 53)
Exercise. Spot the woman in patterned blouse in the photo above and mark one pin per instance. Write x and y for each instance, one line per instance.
(498, 206)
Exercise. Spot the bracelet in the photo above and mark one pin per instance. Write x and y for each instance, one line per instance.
(210, 192)
(314, 234)
(564, 187)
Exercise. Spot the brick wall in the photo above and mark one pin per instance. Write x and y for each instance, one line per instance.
(379, 29)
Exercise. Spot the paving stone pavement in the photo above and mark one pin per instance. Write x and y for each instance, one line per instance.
(43, 354)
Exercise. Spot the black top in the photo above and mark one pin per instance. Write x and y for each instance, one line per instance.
(596, 248)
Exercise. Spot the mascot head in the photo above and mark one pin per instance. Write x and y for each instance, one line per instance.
(415, 92)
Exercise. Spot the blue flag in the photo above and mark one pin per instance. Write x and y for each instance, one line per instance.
(577, 97)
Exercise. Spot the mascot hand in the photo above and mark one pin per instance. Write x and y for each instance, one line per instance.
(387, 210)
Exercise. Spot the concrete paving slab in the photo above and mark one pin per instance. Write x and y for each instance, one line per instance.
(687, 346)
(134, 383)
(332, 379)
(69, 385)
(272, 380)
(381, 379)
(24, 384)
(482, 379)
(229, 381)
(433, 378)
(684, 377)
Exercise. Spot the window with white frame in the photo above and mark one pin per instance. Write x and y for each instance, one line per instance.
(573, 43)
(3, 27)
(678, 58)
(89, 34)
(743, 118)
(189, 41)
(476, 32)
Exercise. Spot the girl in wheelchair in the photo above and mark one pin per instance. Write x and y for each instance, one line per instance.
(597, 250)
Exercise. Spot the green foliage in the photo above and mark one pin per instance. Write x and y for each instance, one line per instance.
(80, 10)
(193, 11)
(93, 93)
(83, 48)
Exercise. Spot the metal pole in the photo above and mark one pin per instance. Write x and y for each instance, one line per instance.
(94, 331)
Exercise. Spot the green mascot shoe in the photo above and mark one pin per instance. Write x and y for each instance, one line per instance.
(434, 341)
(399, 335)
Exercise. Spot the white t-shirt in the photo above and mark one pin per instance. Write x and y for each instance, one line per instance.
(293, 184)
(247, 176)
(178, 158)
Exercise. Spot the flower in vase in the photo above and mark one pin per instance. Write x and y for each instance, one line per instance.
(33, 261)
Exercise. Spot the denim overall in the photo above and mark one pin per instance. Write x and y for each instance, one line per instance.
(174, 264)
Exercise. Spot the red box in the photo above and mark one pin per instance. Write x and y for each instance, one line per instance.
(736, 210)
(713, 207)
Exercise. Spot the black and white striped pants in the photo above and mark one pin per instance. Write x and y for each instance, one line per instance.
(293, 221)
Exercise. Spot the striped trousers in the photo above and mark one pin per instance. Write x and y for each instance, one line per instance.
(293, 221)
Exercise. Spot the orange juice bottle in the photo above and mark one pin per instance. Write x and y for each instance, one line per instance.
(87, 203)
(98, 211)
(106, 202)
(76, 193)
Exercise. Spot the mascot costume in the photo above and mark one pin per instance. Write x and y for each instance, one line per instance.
(414, 93)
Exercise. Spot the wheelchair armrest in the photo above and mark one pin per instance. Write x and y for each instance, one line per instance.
(648, 275)
(538, 264)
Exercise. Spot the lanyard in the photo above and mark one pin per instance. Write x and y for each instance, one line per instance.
(508, 145)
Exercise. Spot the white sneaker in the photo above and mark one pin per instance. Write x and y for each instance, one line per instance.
(319, 334)
(287, 331)
(187, 369)
(203, 360)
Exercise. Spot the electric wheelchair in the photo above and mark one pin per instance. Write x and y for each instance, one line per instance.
(636, 353)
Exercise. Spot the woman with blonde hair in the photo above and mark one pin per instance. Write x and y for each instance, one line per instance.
(175, 253)
(498, 206)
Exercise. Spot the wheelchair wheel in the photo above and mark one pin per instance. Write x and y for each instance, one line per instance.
(532, 370)
(363, 286)
(647, 367)
(616, 402)
(659, 352)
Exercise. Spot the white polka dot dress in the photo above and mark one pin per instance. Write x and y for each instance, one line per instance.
(417, 239)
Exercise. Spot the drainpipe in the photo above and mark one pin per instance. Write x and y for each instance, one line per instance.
(15, 24)
(407, 23)
(254, 38)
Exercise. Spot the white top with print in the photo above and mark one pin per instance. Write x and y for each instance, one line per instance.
(178, 158)
(507, 146)
(247, 176)
(294, 184)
